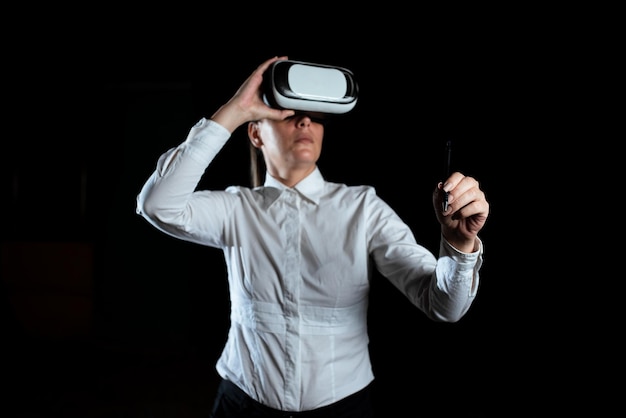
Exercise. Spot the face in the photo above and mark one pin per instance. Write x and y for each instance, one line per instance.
(294, 143)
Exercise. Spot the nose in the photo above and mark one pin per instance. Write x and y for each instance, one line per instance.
(303, 121)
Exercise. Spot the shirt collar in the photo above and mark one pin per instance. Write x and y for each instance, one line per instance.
(310, 187)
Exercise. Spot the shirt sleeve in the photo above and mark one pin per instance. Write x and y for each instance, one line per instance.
(466, 264)
(168, 199)
(443, 287)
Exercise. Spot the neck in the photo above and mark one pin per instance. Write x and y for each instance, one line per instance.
(291, 177)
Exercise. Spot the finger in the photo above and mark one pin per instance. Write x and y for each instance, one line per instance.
(278, 114)
(471, 204)
(470, 198)
(462, 189)
(266, 64)
(452, 181)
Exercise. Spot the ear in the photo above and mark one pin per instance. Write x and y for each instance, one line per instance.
(253, 135)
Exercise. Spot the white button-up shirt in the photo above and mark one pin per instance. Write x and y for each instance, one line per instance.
(299, 266)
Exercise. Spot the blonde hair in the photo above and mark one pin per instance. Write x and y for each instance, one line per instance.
(257, 166)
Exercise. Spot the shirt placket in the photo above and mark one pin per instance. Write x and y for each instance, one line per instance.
(291, 289)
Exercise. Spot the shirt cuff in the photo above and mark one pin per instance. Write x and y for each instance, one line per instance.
(468, 260)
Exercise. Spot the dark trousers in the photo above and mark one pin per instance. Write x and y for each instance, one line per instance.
(232, 402)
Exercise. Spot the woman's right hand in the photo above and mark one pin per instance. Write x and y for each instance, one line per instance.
(247, 103)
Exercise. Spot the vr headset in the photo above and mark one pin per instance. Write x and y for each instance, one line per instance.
(308, 87)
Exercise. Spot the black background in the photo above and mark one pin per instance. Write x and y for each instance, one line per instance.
(94, 104)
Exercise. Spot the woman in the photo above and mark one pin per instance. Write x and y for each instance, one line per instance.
(299, 253)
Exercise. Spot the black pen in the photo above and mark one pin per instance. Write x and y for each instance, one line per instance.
(446, 172)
